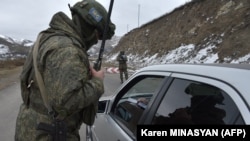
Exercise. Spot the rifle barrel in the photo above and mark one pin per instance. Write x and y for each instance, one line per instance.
(98, 63)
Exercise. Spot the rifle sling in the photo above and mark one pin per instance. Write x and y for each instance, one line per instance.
(39, 76)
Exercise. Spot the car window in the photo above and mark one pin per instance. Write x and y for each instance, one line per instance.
(189, 102)
(134, 99)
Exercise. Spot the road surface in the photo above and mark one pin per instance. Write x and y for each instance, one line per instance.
(10, 100)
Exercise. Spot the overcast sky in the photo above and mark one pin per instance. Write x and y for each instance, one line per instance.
(23, 19)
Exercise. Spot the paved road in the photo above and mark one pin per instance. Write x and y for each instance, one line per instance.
(10, 100)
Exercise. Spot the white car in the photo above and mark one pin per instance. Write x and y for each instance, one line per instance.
(174, 94)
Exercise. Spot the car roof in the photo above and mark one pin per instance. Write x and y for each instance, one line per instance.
(235, 66)
(237, 75)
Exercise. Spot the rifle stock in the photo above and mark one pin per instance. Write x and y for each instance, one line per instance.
(98, 63)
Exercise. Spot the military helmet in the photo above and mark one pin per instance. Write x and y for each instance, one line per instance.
(95, 15)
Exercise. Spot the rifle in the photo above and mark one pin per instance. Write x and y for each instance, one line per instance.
(98, 63)
(57, 130)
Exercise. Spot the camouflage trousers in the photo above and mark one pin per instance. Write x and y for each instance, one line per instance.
(123, 73)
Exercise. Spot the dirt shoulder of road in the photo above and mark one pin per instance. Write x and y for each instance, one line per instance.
(8, 76)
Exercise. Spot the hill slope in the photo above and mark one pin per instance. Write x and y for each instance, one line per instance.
(218, 28)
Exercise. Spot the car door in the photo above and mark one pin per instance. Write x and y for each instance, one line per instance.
(193, 99)
(126, 109)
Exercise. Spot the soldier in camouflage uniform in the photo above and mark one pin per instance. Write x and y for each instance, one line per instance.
(122, 59)
(73, 87)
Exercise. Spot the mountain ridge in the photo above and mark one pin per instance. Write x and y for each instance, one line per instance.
(11, 48)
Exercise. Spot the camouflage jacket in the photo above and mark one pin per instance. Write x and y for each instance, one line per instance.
(72, 91)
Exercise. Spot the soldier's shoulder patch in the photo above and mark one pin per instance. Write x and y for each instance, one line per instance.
(95, 14)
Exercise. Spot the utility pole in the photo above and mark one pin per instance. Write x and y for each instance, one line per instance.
(138, 15)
